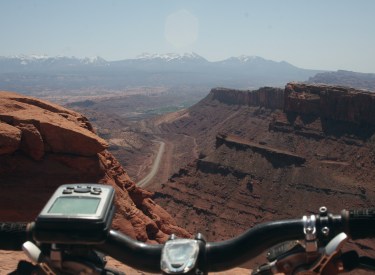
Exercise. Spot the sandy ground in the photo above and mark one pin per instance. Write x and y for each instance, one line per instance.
(9, 260)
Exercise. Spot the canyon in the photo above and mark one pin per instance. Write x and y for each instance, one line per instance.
(235, 159)
(270, 154)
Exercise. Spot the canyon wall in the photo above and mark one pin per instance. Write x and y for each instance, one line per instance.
(330, 102)
(259, 163)
(43, 145)
(327, 101)
(267, 97)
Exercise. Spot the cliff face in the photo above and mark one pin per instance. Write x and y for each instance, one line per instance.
(326, 101)
(331, 102)
(258, 163)
(271, 98)
(43, 145)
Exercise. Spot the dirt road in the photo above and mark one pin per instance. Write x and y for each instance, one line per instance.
(155, 166)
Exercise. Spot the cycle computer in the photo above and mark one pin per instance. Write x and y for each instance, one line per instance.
(76, 213)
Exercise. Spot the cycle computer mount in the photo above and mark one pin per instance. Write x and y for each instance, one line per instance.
(76, 213)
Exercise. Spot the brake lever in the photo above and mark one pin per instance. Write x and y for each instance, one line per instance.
(282, 258)
(332, 249)
(297, 260)
(36, 256)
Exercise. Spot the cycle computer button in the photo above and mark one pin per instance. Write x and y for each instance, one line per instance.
(76, 214)
(82, 189)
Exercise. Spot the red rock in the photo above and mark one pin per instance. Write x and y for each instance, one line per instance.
(31, 141)
(68, 138)
(10, 138)
(44, 145)
(327, 101)
(62, 130)
(270, 165)
(265, 97)
(331, 102)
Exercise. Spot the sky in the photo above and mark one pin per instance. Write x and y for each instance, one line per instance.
(319, 34)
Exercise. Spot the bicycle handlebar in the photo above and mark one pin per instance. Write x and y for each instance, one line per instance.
(361, 223)
(234, 252)
(13, 235)
(134, 253)
(217, 256)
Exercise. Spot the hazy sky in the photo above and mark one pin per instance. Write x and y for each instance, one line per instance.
(316, 34)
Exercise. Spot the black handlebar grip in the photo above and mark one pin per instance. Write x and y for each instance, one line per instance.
(13, 235)
(361, 223)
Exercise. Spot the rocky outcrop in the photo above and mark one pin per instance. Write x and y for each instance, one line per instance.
(271, 98)
(331, 102)
(10, 138)
(49, 128)
(278, 157)
(43, 145)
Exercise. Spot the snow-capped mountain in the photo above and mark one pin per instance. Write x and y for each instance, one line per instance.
(190, 69)
(171, 57)
(252, 60)
(145, 58)
(45, 61)
(97, 60)
(30, 58)
(246, 58)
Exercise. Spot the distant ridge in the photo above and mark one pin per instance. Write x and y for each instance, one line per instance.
(143, 56)
(171, 56)
(346, 78)
(25, 73)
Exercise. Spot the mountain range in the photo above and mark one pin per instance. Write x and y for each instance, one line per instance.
(25, 62)
(61, 72)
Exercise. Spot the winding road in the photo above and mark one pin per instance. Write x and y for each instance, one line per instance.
(155, 166)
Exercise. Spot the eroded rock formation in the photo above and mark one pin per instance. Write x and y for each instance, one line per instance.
(257, 163)
(43, 145)
(331, 102)
(267, 97)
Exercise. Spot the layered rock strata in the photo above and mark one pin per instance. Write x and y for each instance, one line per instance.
(330, 102)
(272, 98)
(259, 163)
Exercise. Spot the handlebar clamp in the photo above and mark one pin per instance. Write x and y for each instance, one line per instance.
(309, 229)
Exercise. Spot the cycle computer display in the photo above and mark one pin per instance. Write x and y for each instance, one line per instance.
(76, 213)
